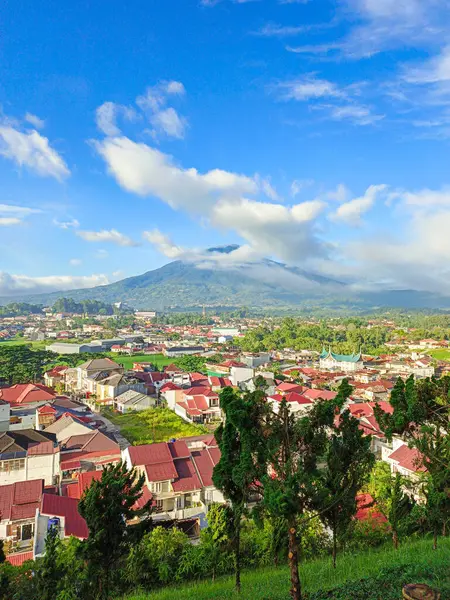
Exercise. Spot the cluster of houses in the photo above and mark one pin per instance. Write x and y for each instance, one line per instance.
(54, 442)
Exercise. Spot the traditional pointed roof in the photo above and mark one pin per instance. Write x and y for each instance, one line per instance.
(352, 358)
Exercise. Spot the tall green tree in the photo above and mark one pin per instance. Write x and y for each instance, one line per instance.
(349, 461)
(292, 481)
(239, 466)
(391, 499)
(107, 505)
(48, 572)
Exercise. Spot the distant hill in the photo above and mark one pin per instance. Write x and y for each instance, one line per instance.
(179, 285)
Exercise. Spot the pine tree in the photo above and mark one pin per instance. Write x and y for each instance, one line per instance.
(239, 466)
(106, 506)
(349, 461)
(48, 573)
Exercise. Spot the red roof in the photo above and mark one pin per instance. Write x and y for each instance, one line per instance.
(198, 402)
(187, 480)
(323, 394)
(19, 500)
(179, 449)
(196, 376)
(161, 471)
(366, 509)
(26, 393)
(19, 558)
(172, 369)
(197, 390)
(285, 386)
(148, 454)
(299, 398)
(220, 382)
(170, 386)
(63, 506)
(408, 458)
(46, 410)
(205, 461)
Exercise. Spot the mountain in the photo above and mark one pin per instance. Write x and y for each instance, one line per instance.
(180, 285)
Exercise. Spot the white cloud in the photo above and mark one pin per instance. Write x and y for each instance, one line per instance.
(19, 211)
(352, 211)
(156, 96)
(146, 171)
(268, 189)
(107, 114)
(299, 185)
(340, 194)
(34, 120)
(69, 223)
(309, 87)
(113, 236)
(274, 30)
(169, 122)
(7, 221)
(13, 285)
(356, 113)
(164, 119)
(32, 150)
(164, 244)
(75, 262)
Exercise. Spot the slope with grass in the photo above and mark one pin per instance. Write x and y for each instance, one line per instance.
(158, 360)
(373, 575)
(441, 354)
(152, 425)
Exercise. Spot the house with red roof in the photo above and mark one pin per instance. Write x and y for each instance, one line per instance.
(18, 504)
(87, 452)
(298, 404)
(30, 395)
(405, 460)
(45, 416)
(315, 394)
(199, 404)
(218, 383)
(55, 376)
(178, 474)
(28, 454)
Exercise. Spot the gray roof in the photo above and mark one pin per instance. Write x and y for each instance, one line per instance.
(64, 422)
(100, 364)
(131, 397)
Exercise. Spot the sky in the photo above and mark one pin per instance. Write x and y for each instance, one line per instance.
(315, 133)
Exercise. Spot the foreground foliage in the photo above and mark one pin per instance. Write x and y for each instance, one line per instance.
(366, 575)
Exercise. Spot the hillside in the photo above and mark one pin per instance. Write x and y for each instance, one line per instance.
(374, 575)
(180, 285)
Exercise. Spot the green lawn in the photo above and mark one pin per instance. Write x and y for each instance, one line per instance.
(383, 572)
(152, 425)
(159, 360)
(441, 354)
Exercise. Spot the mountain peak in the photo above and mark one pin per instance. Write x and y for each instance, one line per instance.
(224, 249)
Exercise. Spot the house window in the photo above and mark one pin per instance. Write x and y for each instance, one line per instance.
(26, 532)
(12, 465)
(159, 505)
(157, 487)
(214, 402)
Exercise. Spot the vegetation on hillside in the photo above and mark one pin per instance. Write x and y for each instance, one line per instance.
(152, 425)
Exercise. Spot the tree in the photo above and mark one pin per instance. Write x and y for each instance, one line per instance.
(106, 506)
(2, 553)
(48, 572)
(422, 417)
(237, 470)
(392, 501)
(292, 479)
(349, 461)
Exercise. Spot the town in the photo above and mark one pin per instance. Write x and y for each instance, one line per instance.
(93, 402)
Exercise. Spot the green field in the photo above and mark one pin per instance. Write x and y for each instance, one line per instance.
(152, 425)
(441, 354)
(374, 575)
(159, 360)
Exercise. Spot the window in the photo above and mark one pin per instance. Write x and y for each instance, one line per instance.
(26, 532)
(157, 487)
(12, 465)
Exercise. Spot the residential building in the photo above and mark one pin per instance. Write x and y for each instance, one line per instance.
(329, 361)
(176, 351)
(133, 400)
(28, 454)
(18, 504)
(5, 413)
(179, 476)
(255, 360)
(88, 373)
(67, 426)
(199, 405)
(87, 452)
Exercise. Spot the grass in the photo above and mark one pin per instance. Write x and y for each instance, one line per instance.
(441, 354)
(373, 575)
(159, 360)
(23, 342)
(152, 425)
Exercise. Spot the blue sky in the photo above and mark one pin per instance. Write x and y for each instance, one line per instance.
(314, 132)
